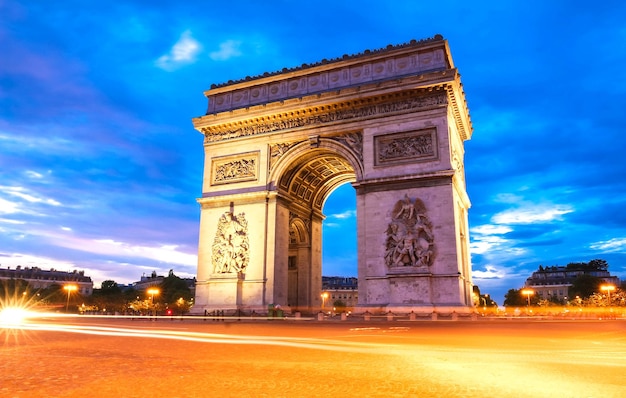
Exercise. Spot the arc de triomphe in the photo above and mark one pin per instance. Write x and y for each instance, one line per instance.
(392, 122)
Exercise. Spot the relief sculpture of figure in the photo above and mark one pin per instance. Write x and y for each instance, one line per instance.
(406, 248)
(409, 237)
(407, 209)
(230, 246)
(391, 244)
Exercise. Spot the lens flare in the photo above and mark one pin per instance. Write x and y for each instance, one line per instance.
(12, 316)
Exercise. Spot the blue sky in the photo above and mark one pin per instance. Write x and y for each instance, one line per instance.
(100, 165)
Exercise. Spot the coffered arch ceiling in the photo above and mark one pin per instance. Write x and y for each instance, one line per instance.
(310, 179)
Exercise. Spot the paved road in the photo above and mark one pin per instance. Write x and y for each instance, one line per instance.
(94, 357)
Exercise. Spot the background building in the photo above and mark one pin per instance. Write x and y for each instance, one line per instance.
(344, 289)
(555, 281)
(38, 278)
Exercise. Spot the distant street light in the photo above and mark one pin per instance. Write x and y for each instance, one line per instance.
(608, 289)
(324, 297)
(152, 291)
(70, 289)
(528, 293)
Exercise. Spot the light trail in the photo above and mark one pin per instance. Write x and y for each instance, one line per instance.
(214, 338)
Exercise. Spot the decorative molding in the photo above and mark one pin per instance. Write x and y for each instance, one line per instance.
(235, 168)
(409, 240)
(328, 114)
(410, 146)
(231, 247)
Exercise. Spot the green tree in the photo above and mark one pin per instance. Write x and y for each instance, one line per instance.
(584, 286)
(599, 264)
(109, 297)
(515, 298)
(173, 288)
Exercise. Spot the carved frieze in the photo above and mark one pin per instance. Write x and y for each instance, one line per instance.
(409, 240)
(235, 168)
(411, 146)
(350, 111)
(231, 249)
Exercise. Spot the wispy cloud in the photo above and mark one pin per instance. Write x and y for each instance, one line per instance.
(182, 53)
(228, 49)
(528, 214)
(490, 272)
(615, 245)
(343, 215)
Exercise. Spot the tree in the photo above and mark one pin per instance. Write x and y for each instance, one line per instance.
(14, 292)
(514, 298)
(584, 286)
(599, 264)
(174, 288)
(109, 297)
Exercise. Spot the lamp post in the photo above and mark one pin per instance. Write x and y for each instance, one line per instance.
(70, 289)
(608, 289)
(528, 293)
(324, 297)
(152, 291)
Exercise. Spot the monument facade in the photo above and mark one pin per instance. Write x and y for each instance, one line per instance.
(392, 122)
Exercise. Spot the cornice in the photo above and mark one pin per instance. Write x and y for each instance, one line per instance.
(387, 49)
(395, 62)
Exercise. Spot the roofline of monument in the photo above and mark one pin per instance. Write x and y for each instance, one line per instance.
(328, 64)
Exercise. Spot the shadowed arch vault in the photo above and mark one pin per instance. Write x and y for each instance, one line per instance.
(392, 123)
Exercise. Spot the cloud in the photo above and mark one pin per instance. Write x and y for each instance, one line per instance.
(531, 213)
(490, 272)
(228, 49)
(343, 215)
(614, 245)
(183, 52)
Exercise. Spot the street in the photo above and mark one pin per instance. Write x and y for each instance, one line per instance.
(110, 357)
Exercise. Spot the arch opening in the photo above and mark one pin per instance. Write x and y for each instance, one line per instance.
(304, 188)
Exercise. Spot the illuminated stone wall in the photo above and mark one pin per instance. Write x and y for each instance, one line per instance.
(392, 122)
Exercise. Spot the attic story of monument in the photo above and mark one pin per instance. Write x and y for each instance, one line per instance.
(392, 122)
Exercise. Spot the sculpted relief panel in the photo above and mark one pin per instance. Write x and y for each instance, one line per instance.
(409, 238)
(231, 246)
(236, 168)
(420, 145)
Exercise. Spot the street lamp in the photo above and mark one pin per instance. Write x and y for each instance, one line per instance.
(528, 293)
(70, 289)
(152, 291)
(608, 289)
(324, 297)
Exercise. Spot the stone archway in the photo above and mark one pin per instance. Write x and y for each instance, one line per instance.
(392, 122)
